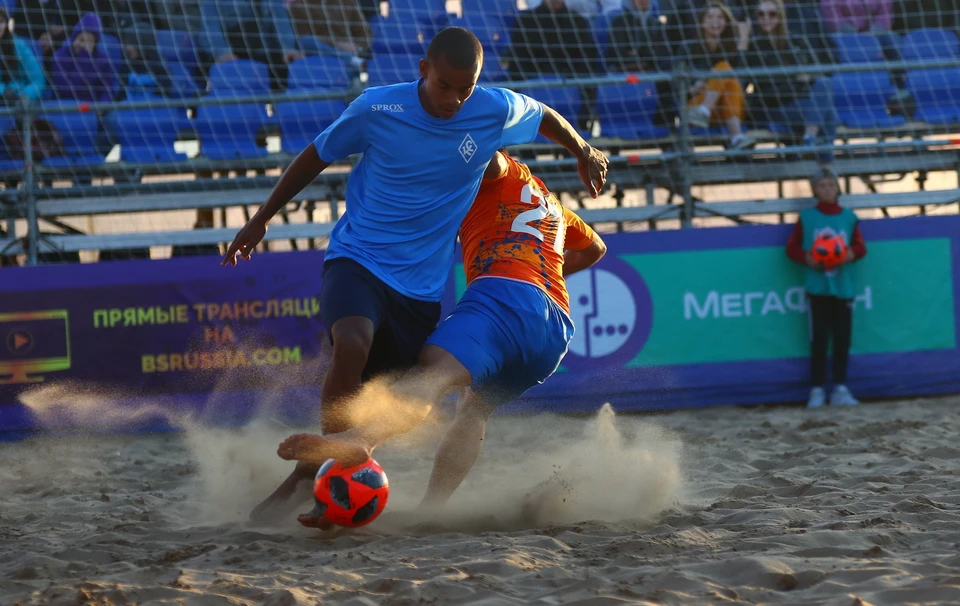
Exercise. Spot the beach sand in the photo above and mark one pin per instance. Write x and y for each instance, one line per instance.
(729, 505)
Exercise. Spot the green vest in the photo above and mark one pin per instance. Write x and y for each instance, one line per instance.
(836, 282)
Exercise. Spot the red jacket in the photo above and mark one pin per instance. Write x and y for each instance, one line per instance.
(795, 243)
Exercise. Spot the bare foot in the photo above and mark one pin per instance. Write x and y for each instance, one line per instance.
(296, 490)
(314, 449)
(315, 519)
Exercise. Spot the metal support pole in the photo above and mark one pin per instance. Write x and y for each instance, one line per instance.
(29, 193)
(683, 143)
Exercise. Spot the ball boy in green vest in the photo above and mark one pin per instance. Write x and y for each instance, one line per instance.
(830, 292)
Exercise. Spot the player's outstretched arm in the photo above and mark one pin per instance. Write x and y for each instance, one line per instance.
(301, 172)
(591, 162)
(578, 260)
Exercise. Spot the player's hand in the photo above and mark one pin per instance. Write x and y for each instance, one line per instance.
(247, 239)
(812, 264)
(592, 167)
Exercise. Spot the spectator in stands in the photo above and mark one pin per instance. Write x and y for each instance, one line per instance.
(330, 27)
(804, 21)
(798, 101)
(682, 17)
(639, 43)
(638, 40)
(719, 99)
(918, 14)
(586, 8)
(20, 72)
(829, 292)
(250, 29)
(82, 71)
(863, 16)
(145, 73)
(552, 40)
(48, 21)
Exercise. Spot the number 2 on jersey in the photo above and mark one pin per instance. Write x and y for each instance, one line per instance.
(522, 222)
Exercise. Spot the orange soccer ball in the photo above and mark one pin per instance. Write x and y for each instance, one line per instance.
(829, 251)
(351, 496)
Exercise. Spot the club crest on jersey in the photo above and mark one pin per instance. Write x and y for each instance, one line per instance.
(467, 148)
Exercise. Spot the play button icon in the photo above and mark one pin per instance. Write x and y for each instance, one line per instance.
(19, 342)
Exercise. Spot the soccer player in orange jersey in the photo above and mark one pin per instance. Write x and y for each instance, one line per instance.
(507, 334)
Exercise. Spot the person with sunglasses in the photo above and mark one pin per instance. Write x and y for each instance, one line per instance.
(801, 102)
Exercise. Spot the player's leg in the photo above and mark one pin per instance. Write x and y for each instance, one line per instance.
(396, 406)
(819, 339)
(529, 335)
(459, 449)
(352, 301)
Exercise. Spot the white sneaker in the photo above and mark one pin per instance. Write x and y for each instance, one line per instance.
(817, 398)
(841, 396)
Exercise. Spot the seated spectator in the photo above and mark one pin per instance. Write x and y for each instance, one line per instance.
(20, 72)
(909, 15)
(48, 22)
(82, 71)
(585, 8)
(638, 40)
(639, 43)
(804, 21)
(250, 29)
(863, 16)
(552, 40)
(682, 18)
(330, 27)
(800, 102)
(719, 99)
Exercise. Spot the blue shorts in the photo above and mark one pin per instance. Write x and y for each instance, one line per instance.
(510, 335)
(401, 324)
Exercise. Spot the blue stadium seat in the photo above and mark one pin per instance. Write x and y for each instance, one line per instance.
(858, 48)
(504, 8)
(181, 58)
(390, 69)
(184, 84)
(492, 69)
(929, 44)
(601, 30)
(239, 77)
(81, 136)
(396, 35)
(493, 31)
(937, 94)
(229, 130)
(313, 72)
(566, 100)
(177, 47)
(301, 121)
(936, 91)
(430, 13)
(627, 110)
(861, 99)
(147, 135)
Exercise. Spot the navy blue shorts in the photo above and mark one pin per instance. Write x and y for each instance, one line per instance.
(401, 324)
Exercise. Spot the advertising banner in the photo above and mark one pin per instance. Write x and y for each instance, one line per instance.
(668, 319)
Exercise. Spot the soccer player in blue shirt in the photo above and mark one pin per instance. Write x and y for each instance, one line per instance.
(425, 147)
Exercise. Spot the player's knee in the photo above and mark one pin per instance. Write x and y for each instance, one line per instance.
(351, 347)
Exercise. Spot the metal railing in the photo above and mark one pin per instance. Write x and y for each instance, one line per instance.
(681, 159)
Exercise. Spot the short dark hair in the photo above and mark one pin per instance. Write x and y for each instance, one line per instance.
(458, 46)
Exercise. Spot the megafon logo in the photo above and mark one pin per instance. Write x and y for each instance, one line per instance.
(612, 310)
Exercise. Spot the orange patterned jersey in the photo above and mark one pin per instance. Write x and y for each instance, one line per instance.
(517, 229)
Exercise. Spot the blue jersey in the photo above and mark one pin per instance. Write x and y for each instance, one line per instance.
(417, 178)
